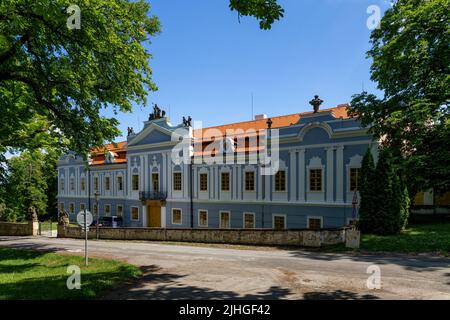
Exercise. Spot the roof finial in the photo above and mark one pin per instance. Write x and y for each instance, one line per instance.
(316, 102)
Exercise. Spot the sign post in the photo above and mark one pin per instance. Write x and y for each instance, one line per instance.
(84, 219)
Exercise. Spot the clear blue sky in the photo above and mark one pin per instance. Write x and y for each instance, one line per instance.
(206, 64)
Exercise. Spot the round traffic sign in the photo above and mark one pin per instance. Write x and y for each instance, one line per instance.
(80, 218)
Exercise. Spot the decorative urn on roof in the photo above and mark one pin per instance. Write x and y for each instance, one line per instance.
(316, 102)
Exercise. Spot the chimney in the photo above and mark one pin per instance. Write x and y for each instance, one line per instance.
(260, 116)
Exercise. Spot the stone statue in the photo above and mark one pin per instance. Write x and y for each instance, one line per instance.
(63, 219)
(316, 102)
(187, 122)
(32, 214)
(157, 113)
(130, 131)
(269, 123)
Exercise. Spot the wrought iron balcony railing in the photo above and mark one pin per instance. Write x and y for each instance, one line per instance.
(152, 195)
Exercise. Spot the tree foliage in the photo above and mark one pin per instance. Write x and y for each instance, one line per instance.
(54, 80)
(411, 63)
(30, 182)
(384, 206)
(266, 11)
(367, 193)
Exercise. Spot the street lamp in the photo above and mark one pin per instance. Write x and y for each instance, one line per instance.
(97, 196)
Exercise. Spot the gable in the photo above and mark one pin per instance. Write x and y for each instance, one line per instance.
(154, 136)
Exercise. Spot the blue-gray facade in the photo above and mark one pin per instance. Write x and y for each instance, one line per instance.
(319, 144)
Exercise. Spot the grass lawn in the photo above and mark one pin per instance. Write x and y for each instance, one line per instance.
(45, 225)
(431, 238)
(26, 274)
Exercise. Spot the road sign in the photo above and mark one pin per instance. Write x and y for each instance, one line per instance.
(81, 219)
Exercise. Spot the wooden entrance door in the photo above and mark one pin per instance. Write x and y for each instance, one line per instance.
(154, 215)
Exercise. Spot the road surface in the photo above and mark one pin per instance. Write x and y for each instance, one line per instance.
(188, 272)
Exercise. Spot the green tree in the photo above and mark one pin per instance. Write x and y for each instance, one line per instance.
(411, 63)
(55, 78)
(367, 193)
(26, 185)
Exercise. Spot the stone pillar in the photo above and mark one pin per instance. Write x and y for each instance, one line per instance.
(34, 228)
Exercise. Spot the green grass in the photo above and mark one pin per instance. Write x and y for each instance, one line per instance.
(419, 238)
(26, 274)
(45, 225)
(430, 238)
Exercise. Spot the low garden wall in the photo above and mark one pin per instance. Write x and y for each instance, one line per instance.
(19, 229)
(307, 238)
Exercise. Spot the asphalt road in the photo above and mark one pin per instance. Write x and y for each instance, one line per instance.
(188, 272)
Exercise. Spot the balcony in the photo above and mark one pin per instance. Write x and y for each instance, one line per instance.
(152, 195)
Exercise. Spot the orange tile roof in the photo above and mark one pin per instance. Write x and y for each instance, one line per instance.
(120, 148)
(277, 122)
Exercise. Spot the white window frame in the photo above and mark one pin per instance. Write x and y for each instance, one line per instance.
(274, 189)
(82, 203)
(314, 217)
(207, 218)
(109, 206)
(220, 219)
(200, 182)
(349, 177)
(117, 210)
(109, 182)
(159, 181)
(131, 213)
(243, 219)
(254, 181)
(118, 184)
(70, 205)
(173, 181)
(181, 216)
(279, 215)
(229, 181)
(83, 179)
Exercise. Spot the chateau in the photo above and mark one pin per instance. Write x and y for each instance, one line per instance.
(287, 172)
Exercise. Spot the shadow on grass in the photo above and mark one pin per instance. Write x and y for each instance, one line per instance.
(40, 275)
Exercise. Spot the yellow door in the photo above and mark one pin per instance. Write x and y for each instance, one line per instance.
(154, 216)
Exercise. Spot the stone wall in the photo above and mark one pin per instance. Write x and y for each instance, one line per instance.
(19, 229)
(307, 238)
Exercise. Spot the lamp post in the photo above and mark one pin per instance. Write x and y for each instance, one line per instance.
(97, 196)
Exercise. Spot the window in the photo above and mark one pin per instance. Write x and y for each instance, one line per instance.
(119, 210)
(82, 206)
(177, 181)
(202, 218)
(250, 181)
(107, 210)
(280, 181)
(95, 209)
(61, 206)
(249, 220)
(279, 222)
(83, 184)
(225, 182)
(96, 183)
(355, 176)
(134, 213)
(135, 182)
(224, 220)
(120, 183)
(315, 180)
(314, 223)
(61, 184)
(72, 208)
(72, 184)
(176, 216)
(155, 181)
(203, 182)
(107, 184)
